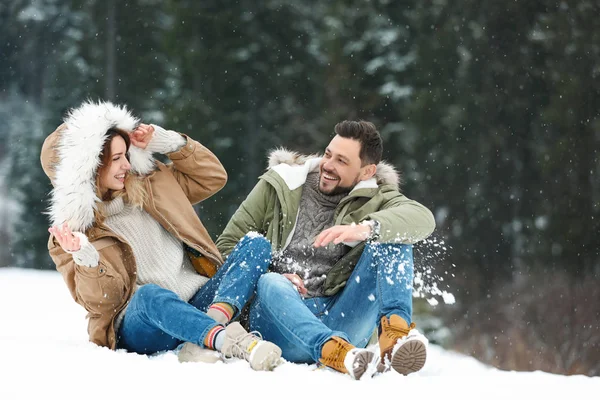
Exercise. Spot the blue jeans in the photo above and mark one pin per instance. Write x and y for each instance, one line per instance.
(381, 284)
(157, 319)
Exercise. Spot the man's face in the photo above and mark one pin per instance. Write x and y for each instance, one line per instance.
(340, 169)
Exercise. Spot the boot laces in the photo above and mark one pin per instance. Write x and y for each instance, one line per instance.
(242, 345)
(392, 331)
(335, 359)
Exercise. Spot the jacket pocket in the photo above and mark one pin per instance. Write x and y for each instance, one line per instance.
(101, 289)
(113, 283)
(91, 272)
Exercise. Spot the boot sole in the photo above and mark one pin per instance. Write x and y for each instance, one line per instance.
(361, 364)
(409, 357)
(265, 356)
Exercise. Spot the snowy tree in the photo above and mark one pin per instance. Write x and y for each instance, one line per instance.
(24, 182)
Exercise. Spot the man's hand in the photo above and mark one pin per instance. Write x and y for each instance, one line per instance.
(141, 136)
(342, 233)
(65, 237)
(298, 282)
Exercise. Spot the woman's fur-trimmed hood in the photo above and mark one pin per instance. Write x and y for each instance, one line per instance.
(386, 174)
(71, 156)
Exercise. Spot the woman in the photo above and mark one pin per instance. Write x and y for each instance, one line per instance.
(131, 248)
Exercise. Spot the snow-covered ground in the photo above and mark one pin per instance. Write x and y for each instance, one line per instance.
(44, 353)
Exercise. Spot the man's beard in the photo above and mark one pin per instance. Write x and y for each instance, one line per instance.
(339, 189)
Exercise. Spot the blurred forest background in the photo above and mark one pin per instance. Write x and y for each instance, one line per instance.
(491, 109)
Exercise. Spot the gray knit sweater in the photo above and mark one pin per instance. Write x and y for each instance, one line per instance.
(300, 256)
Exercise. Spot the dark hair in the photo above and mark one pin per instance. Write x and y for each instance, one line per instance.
(371, 146)
(105, 153)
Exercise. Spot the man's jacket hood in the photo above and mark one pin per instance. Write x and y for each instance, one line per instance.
(293, 166)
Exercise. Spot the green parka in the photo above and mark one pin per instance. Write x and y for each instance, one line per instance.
(272, 206)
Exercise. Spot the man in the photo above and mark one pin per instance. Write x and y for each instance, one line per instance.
(341, 235)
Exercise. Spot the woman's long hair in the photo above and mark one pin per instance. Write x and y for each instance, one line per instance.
(134, 192)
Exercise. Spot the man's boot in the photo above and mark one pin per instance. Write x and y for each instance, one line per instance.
(402, 349)
(343, 357)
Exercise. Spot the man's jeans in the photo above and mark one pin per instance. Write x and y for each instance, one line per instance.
(381, 284)
(157, 319)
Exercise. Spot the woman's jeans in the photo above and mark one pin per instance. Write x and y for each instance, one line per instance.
(380, 285)
(157, 319)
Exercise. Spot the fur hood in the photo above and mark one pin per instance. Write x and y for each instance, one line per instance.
(71, 156)
(386, 174)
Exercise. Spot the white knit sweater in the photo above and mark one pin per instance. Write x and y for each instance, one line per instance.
(159, 256)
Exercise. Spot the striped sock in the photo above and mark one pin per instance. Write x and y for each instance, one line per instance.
(221, 312)
(211, 337)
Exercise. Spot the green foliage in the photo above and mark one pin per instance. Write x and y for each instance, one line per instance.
(26, 183)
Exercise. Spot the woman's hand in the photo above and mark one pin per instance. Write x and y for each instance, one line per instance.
(141, 136)
(65, 237)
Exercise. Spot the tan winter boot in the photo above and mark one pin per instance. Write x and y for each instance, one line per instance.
(401, 348)
(249, 346)
(343, 357)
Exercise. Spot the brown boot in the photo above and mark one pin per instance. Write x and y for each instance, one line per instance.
(403, 350)
(343, 357)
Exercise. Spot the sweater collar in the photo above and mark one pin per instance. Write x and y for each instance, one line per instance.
(113, 207)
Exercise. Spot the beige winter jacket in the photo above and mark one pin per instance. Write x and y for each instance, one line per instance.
(194, 175)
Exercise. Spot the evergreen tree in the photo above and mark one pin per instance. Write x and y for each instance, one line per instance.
(25, 182)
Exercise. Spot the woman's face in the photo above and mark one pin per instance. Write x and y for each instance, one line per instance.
(112, 176)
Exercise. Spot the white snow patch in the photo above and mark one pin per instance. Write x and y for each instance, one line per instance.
(395, 91)
(44, 335)
(448, 297)
(253, 234)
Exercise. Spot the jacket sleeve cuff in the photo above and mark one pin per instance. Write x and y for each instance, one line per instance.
(374, 229)
(165, 141)
(186, 150)
(87, 255)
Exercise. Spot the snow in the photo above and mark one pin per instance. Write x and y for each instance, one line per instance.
(433, 301)
(44, 352)
(448, 297)
(395, 91)
(10, 209)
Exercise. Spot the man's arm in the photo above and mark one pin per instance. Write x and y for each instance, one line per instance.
(403, 220)
(249, 217)
(400, 219)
